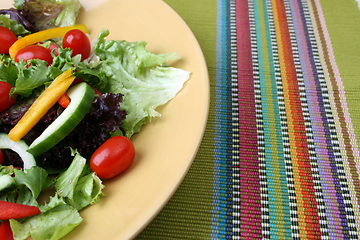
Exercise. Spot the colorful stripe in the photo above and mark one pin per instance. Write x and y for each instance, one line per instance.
(250, 208)
(274, 161)
(340, 112)
(311, 147)
(284, 126)
(321, 131)
(222, 198)
(290, 173)
(304, 187)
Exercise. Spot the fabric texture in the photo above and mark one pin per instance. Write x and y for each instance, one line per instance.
(280, 155)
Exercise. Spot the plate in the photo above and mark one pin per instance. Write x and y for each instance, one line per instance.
(165, 147)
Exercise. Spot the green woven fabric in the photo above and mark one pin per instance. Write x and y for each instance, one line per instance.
(189, 210)
(347, 52)
(298, 131)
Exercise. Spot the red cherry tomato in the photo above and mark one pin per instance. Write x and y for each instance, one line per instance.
(7, 38)
(78, 42)
(1, 158)
(5, 101)
(34, 52)
(54, 46)
(113, 157)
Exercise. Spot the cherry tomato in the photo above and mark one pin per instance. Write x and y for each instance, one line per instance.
(113, 157)
(78, 42)
(34, 52)
(54, 46)
(1, 158)
(5, 100)
(7, 38)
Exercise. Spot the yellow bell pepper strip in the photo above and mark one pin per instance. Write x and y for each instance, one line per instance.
(42, 36)
(41, 105)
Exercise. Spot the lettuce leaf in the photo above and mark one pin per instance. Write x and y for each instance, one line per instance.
(27, 185)
(35, 179)
(78, 185)
(8, 70)
(13, 25)
(56, 219)
(141, 76)
(31, 77)
(88, 191)
(27, 76)
(75, 189)
(44, 14)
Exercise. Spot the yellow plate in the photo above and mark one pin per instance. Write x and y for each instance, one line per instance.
(166, 147)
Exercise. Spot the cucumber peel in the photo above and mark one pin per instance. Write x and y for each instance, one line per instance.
(81, 96)
(20, 147)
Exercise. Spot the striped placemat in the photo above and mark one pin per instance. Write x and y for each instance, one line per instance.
(280, 155)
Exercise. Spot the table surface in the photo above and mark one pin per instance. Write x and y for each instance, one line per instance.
(280, 154)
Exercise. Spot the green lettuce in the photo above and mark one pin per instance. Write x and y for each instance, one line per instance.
(141, 76)
(8, 70)
(27, 186)
(13, 25)
(35, 179)
(35, 73)
(57, 218)
(44, 14)
(79, 185)
(75, 189)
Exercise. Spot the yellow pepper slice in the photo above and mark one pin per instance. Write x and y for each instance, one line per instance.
(42, 36)
(41, 105)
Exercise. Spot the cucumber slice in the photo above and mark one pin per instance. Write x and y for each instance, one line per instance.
(81, 96)
(7, 184)
(20, 147)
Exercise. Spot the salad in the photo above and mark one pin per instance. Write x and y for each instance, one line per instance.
(63, 105)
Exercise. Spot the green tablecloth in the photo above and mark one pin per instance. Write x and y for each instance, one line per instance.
(280, 155)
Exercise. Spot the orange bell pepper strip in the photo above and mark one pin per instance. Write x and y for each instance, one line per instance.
(41, 105)
(64, 100)
(42, 36)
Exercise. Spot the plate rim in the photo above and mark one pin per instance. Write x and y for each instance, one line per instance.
(204, 74)
(201, 136)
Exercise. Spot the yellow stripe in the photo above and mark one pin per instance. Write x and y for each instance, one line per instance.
(292, 138)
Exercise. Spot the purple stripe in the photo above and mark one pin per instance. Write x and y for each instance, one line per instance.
(335, 209)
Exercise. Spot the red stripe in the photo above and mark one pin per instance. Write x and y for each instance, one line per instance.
(309, 223)
(250, 208)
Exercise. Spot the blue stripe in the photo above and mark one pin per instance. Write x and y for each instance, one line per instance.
(222, 175)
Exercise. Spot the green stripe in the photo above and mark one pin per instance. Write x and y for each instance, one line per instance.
(342, 20)
(189, 210)
(267, 106)
(278, 204)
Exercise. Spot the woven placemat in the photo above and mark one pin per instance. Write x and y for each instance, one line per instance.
(280, 155)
